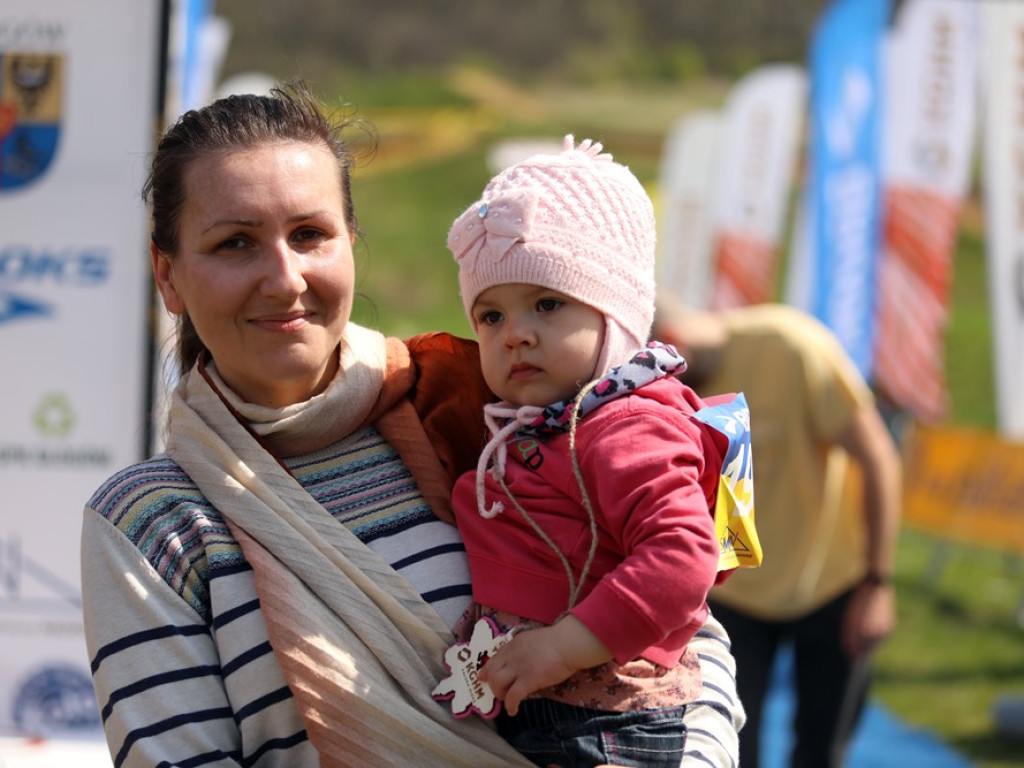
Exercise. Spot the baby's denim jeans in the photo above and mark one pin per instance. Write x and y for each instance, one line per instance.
(551, 733)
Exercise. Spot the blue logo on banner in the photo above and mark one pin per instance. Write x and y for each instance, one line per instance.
(27, 270)
(31, 97)
(56, 699)
(19, 308)
(845, 169)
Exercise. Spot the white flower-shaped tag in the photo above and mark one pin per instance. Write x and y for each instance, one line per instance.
(464, 661)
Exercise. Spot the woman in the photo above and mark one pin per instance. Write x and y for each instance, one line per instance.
(230, 618)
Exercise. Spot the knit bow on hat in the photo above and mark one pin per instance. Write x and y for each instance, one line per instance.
(493, 227)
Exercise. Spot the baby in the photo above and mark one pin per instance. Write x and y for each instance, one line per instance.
(590, 521)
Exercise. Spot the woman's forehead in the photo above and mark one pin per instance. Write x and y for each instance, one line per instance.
(275, 176)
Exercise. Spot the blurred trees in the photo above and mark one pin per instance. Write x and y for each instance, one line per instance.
(577, 40)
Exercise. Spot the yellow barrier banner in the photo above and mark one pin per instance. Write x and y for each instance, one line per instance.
(965, 484)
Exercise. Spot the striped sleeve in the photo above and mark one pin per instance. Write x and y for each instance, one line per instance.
(714, 720)
(150, 650)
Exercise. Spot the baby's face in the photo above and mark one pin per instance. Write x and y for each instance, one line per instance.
(537, 346)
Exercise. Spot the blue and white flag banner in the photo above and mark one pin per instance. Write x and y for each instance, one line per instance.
(78, 93)
(196, 49)
(845, 156)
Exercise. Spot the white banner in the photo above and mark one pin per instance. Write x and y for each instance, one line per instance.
(78, 104)
(928, 145)
(798, 288)
(931, 95)
(685, 193)
(761, 126)
(1003, 140)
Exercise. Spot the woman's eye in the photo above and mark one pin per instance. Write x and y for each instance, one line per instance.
(233, 244)
(549, 305)
(307, 234)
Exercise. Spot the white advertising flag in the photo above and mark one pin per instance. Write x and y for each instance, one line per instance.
(798, 289)
(928, 143)
(761, 127)
(78, 105)
(1003, 141)
(685, 191)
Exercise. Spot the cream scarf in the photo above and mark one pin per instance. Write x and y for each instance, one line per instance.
(359, 647)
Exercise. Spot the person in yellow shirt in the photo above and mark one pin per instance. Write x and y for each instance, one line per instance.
(828, 480)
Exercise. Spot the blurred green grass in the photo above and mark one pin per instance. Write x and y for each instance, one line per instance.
(407, 278)
(958, 646)
(971, 378)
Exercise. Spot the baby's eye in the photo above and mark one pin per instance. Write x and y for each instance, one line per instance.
(549, 304)
(490, 317)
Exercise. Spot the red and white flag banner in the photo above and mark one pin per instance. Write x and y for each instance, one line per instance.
(762, 122)
(931, 91)
(913, 296)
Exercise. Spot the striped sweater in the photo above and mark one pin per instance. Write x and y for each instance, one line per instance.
(175, 615)
(186, 625)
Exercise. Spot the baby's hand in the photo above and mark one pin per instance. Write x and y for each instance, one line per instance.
(538, 658)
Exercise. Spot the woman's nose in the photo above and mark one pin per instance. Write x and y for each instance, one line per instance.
(283, 274)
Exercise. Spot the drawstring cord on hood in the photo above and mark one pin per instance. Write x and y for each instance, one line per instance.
(522, 416)
(495, 447)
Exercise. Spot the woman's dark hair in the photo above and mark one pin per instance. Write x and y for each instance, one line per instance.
(288, 113)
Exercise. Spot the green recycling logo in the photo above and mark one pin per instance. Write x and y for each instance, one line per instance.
(54, 416)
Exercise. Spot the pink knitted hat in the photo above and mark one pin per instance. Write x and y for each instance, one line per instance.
(576, 222)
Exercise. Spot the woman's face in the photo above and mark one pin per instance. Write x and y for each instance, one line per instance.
(264, 268)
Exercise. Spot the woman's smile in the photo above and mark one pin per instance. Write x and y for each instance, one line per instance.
(283, 323)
